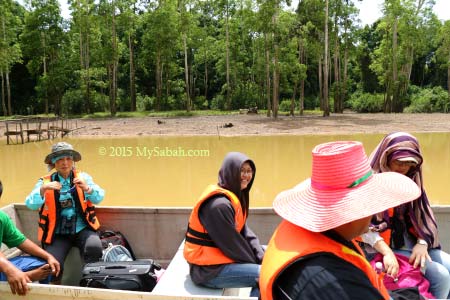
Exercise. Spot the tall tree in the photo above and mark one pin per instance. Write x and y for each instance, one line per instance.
(326, 106)
(160, 42)
(42, 41)
(184, 28)
(10, 52)
(443, 52)
(83, 22)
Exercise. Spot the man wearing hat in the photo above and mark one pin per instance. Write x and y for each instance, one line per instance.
(66, 200)
(312, 254)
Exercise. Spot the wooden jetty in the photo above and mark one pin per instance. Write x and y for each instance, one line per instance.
(22, 129)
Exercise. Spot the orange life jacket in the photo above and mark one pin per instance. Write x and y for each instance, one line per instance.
(199, 249)
(49, 212)
(291, 243)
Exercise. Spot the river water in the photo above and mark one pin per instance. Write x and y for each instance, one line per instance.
(173, 171)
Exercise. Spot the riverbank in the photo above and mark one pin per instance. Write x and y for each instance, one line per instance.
(243, 124)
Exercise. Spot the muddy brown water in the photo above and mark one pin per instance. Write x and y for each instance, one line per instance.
(173, 171)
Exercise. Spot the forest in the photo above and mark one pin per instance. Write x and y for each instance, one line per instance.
(145, 55)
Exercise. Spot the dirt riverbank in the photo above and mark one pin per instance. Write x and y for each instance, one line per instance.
(242, 124)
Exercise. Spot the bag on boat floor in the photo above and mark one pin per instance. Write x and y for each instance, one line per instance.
(108, 237)
(138, 275)
(116, 253)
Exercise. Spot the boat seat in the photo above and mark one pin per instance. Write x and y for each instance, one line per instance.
(176, 281)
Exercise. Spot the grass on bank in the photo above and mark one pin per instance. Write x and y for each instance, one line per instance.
(160, 114)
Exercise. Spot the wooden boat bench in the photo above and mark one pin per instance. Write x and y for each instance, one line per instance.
(177, 281)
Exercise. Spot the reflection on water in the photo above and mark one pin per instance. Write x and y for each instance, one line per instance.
(173, 171)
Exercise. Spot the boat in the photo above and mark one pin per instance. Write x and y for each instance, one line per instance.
(153, 232)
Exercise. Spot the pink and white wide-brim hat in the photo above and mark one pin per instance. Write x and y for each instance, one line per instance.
(342, 189)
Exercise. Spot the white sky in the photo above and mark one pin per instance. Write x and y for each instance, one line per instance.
(369, 9)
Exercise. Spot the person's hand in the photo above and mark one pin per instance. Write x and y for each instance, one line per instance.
(54, 185)
(391, 266)
(18, 281)
(81, 184)
(54, 264)
(419, 256)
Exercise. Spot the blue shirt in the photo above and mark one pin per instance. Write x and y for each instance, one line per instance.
(34, 200)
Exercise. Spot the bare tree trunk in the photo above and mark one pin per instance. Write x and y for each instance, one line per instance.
(320, 75)
(276, 71)
(326, 110)
(5, 80)
(83, 69)
(206, 75)
(186, 75)
(132, 74)
(8, 93)
(387, 99)
(88, 75)
(227, 46)
(5, 111)
(44, 61)
(114, 64)
(301, 60)
(302, 97)
(158, 80)
(344, 79)
(395, 83)
(337, 79)
(268, 84)
(294, 94)
(448, 84)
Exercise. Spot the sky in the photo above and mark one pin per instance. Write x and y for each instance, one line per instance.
(369, 9)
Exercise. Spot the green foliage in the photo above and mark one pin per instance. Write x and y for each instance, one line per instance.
(218, 102)
(144, 102)
(200, 102)
(311, 102)
(245, 95)
(285, 105)
(366, 102)
(73, 102)
(165, 38)
(429, 100)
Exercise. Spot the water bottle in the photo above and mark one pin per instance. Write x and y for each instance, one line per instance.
(379, 267)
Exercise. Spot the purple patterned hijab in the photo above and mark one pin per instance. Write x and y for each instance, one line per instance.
(400, 145)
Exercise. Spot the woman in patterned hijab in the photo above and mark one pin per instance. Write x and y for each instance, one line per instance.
(413, 226)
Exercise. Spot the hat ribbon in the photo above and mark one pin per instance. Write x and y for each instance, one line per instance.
(351, 185)
(360, 180)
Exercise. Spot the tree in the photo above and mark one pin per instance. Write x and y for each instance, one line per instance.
(326, 103)
(41, 41)
(83, 23)
(10, 52)
(403, 26)
(443, 52)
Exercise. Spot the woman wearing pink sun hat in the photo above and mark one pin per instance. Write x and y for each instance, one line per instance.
(312, 254)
